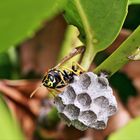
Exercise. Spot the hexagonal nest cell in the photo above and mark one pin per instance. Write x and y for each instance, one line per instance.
(84, 81)
(84, 99)
(87, 117)
(71, 111)
(69, 94)
(101, 101)
(79, 106)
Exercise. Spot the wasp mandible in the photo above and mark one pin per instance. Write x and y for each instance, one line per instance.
(60, 76)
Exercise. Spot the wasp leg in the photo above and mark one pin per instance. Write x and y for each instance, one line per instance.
(71, 70)
(75, 64)
(52, 92)
(74, 52)
(57, 90)
(61, 76)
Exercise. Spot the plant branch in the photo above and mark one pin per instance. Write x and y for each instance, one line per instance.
(121, 56)
(89, 53)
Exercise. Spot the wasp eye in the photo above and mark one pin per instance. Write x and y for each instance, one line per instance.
(51, 78)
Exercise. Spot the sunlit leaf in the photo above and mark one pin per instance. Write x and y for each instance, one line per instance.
(104, 18)
(9, 130)
(121, 56)
(134, 1)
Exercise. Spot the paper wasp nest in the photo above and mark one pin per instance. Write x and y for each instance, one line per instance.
(87, 102)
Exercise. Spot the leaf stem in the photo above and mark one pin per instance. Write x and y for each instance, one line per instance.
(89, 52)
(121, 56)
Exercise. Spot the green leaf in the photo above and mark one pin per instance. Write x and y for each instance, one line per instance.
(9, 130)
(103, 18)
(19, 19)
(121, 56)
(70, 41)
(129, 132)
(134, 1)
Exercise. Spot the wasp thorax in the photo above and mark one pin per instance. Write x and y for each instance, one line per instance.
(87, 102)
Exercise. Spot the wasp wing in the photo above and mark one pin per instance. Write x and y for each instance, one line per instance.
(74, 52)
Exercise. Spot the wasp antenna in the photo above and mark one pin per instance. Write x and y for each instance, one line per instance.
(32, 94)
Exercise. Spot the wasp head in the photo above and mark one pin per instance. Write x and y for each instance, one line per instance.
(50, 79)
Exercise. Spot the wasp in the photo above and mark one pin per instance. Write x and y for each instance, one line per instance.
(60, 76)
